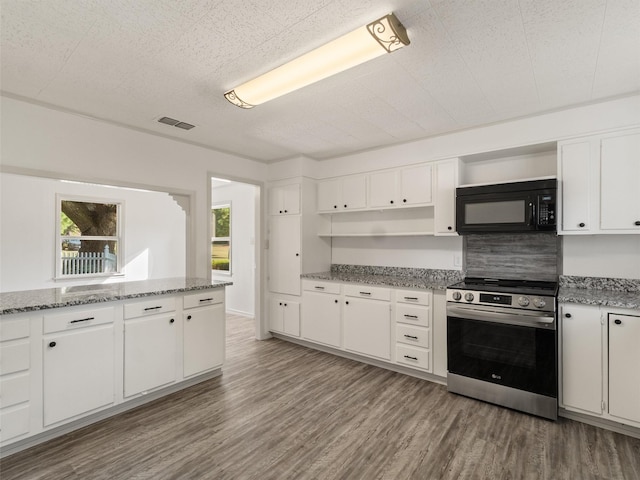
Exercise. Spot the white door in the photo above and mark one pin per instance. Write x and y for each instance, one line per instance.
(149, 353)
(321, 320)
(79, 372)
(204, 339)
(367, 327)
(415, 185)
(576, 168)
(624, 366)
(284, 254)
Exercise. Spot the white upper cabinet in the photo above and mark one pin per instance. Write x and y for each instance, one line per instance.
(620, 182)
(343, 193)
(401, 187)
(599, 183)
(446, 182)
(284, 200)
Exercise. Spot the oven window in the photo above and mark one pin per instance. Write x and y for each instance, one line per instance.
(512, 211)
(507, 346)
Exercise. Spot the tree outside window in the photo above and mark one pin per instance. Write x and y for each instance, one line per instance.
(221, 238)
(89, 237)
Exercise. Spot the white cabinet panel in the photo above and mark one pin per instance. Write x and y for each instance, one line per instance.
(576, 167)
(342, 194)
(284, 316)
(149, 353)
(321, 319)
(330, 195)
(446, 182)
(415, 185)
(79, 372)
(383, 189)
(14, 422)
(284, 200)
(413, 356)
(15, 357)
(284, 255)
(582, 362)
(14, 390)
(367, 327)
(624, 366)
(204, 339)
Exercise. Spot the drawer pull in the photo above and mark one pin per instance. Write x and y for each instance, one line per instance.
(365, 293)
(410, 316)
(412, 337)
(206, 299)
(52, 344)
(82, 320)
(152, 308)
(318, 287)
(411, 358)
(415, 299)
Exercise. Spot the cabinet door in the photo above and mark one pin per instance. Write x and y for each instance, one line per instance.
(276, 316)
(582, 366)
(329, 195)
(79, 370)
(321, 320)
(291, 318)
(415, 185)
(383, 189)
(204, 339)
(445, 197)
(291, 199)
(276, 201)
(576, 167)
(284, 255)
(149, 353)
(367, 327)
(620, 182)
(354, 192)
(624, 366)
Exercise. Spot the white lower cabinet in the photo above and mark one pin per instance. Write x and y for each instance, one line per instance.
(624, 367)
(367, 322)
(203, 339)
(150, 351)
(284, 316)
(413, 328)
(322, 313)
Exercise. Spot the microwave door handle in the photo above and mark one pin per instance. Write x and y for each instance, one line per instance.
(532, 213)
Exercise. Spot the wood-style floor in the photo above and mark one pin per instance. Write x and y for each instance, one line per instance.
(282, 411)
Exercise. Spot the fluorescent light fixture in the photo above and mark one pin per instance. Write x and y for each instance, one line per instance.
(377, 38)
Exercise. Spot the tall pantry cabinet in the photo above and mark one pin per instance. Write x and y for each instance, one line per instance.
(294, 248)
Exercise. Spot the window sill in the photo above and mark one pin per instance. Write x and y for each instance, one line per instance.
(87, 277)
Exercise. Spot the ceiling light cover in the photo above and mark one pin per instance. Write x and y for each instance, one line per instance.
(381, 36)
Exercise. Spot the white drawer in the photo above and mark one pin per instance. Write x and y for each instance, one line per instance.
(14, 390)
(15, 357)
(320, 286)
(417, 336)
(413, 356)
(366, 291)
(202, 299)
(14, 423)
(60, 322)
(13, 328)
(144, 308)
(413, 315)
(420, 297)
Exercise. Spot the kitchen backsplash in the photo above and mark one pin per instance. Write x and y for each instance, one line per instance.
(531, 256)
(448, 276)
(599, 283)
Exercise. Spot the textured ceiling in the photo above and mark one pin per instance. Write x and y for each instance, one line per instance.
(470, 62)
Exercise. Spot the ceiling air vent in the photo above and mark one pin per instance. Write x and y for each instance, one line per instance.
(175, 123)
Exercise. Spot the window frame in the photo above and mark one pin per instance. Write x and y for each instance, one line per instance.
(214, 206)
(119, 238)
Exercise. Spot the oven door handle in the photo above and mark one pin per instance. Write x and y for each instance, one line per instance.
(532, 320)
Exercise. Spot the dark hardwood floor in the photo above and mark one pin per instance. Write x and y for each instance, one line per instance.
(281, 411)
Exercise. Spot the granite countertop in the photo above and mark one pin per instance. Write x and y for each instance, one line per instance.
(428, 279)
(32, 300)
(609, 292)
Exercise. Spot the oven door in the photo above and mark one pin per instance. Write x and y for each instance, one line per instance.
(496, 346)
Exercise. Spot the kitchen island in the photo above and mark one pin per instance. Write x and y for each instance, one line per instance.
(72, 356)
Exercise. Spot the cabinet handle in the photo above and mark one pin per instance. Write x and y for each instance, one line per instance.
(404, 200)
(206, 299)
(412, 337)
(410, 316)
(345, 205)
(318, 287)
(391, 202)
(617, 321)
(449, 228)
(286, 211)
(365, 293)
(280, 303)
(581, 224)
(415, 299)
(567, 315)
(335, 206)
(52, 344)
(411, 358)
(285, 304)
(347, 303)
(172, 320)
(152, 308)
(83, 320)
(336, 301)
(280, 211)
(188, 317)
(297, 254)
(637, 223)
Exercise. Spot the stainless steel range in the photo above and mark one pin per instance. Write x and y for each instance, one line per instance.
(502, 343)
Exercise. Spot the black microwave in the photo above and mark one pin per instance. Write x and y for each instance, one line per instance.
(507, 207)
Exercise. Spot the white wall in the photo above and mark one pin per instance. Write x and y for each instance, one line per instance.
(240, 296)
(153, 232)
(616, 256)
(42, 139)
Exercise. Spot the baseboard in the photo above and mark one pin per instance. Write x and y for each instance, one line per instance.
(103, 414)
(231, 311)
(604, 423)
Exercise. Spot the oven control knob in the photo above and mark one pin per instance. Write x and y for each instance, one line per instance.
(468, 297)
(539, 302)
(457, 296)
(523, 301)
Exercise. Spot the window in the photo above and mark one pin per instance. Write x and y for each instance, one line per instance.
(221, 238)
(89, 237)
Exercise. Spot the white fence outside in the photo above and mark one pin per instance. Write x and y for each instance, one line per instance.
(83, 263)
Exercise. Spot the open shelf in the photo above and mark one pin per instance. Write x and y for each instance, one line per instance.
(410, 222)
